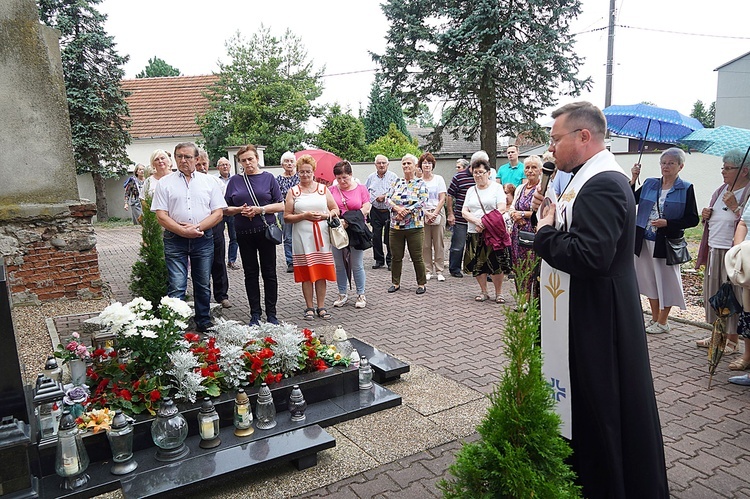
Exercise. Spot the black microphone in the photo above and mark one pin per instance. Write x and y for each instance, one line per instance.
(548, 169)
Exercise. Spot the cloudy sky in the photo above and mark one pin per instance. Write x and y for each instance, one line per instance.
(665, 53)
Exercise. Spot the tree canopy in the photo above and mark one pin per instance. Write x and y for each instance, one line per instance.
(705, 116)
(343, 135)
(263, 96)
(382, 110)
(158, 67)
(92, 70)
(394, 144)
(501, 63)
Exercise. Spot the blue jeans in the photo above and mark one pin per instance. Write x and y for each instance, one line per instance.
(358, 270)
(177, 250)
(233, 247)
(456, 252)
(287, 228)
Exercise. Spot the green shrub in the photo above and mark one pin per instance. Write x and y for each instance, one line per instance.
(148, 278)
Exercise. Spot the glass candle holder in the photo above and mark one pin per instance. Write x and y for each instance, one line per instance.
(120, 436)
(208, 425)
(71, 459)
(365, 374)
(297, 404)
(265, 410)
(243, 415)
(169, 431)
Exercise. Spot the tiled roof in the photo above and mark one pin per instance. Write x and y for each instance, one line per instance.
(450, 147)
(166, 107)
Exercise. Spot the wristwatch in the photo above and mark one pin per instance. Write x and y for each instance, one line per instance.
(263, 210)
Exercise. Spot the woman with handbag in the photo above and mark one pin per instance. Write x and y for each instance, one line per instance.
(406, 197)
(433, 248)
(309, 206)
(666, 207)
(480, 259)
(349, 195)
(254, 199)
(521, 215)
(720, 220)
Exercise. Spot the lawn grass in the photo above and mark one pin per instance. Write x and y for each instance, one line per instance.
(114, 222)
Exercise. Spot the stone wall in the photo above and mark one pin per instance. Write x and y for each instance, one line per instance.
(50, 252)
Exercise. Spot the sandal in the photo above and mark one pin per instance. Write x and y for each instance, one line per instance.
(739, 365)
(482, 297)
(499, 299)
(704, 343)
(731, 348)
(323, 314)
(309, 314)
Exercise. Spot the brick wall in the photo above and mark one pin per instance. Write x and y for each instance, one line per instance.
(50, 253)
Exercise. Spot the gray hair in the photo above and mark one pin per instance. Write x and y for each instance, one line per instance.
(464, 163)
(533, 159)
(736, 157)
(674, 152)
(288, 155)
(411, 157)
(479, 155)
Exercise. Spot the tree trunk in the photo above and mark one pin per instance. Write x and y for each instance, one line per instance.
(100, 187)
(488, 130)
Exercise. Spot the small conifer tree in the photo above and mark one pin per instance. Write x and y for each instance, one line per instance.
(148, 278)
(520, 453)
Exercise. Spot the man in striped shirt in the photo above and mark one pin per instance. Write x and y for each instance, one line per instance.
(462, 182)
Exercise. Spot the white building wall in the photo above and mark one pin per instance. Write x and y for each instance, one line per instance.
(733, 94)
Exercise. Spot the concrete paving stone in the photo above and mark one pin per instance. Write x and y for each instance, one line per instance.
(712, 435)
(728, 452)
(724, 479)
(462, 420)
(428, 393)
(681, 474)
(674, 430)
(704, 461)
(695, 491)
(383, 468)
(382, 483)
(694, 421)
(743, 493)
(414, 491)
(405, 476)
(688, 445)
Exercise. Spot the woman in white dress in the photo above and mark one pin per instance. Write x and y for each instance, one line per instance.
(309, 206)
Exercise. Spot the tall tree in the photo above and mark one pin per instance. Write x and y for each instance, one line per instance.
(705, 116)
(92, 69)
(158, 67)
(343, 135)
(501, 62)
(263, 96)
(424, 117)
(394, 144)
(382, 110)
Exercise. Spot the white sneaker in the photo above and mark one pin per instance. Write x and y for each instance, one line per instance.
(341, 301)
(657, 328)
(361, 302)
(440, 277)
(429, 276)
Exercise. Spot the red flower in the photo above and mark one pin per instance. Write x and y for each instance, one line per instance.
(214, 368)
(269, 340)
(99, 352)
(113, 354)
(154, 395)
(206, 372)
(321, 365)
(211, 357)
(192, 337)
(312, 353)
(278, 377)
(265, 353)
(122, 367)
(126, 394)
(136, 384)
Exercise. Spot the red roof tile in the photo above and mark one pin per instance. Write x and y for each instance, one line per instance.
(167, 107)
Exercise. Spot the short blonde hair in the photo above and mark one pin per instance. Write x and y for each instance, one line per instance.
(306, 159)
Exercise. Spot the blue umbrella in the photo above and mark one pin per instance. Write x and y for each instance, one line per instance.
(719, 141)
(644, 122)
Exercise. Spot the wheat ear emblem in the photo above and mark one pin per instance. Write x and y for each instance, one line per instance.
(554, 289)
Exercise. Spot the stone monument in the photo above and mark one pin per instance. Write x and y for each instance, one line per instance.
(46, 238)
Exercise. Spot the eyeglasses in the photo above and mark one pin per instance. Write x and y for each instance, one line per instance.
(668, 163)
(729, 168)
(479, 173)
(180, 157)
(553, 140)
(304, 173)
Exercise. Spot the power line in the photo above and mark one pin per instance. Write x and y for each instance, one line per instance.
(664, 31)
(351, 72)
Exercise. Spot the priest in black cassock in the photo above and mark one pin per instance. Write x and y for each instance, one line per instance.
(593, 337)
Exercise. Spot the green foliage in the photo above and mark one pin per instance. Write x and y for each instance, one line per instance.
(92, 70)
(343, 135)
(705, 116)
(394, 144)
(423, 118)
(501, 63)
(263, 96)
(148, 277)
(382, 111)
(158, 67)
(520, 453)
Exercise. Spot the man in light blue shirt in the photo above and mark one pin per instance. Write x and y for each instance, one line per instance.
(512, 171)
(378, 183)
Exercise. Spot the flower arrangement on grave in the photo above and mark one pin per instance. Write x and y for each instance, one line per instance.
(95, 420)
(153, 357)
(72, 350)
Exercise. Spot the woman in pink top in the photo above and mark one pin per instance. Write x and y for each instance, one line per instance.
(349, 195)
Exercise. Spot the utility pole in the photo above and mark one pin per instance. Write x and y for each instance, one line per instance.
(610, 54)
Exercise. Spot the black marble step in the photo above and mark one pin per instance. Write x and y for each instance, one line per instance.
(385, 367)
(324, 413)
(153, 477)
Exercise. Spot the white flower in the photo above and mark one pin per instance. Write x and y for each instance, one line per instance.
(177, 306)
(330, 351)
(139, 304)
(147, 333)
